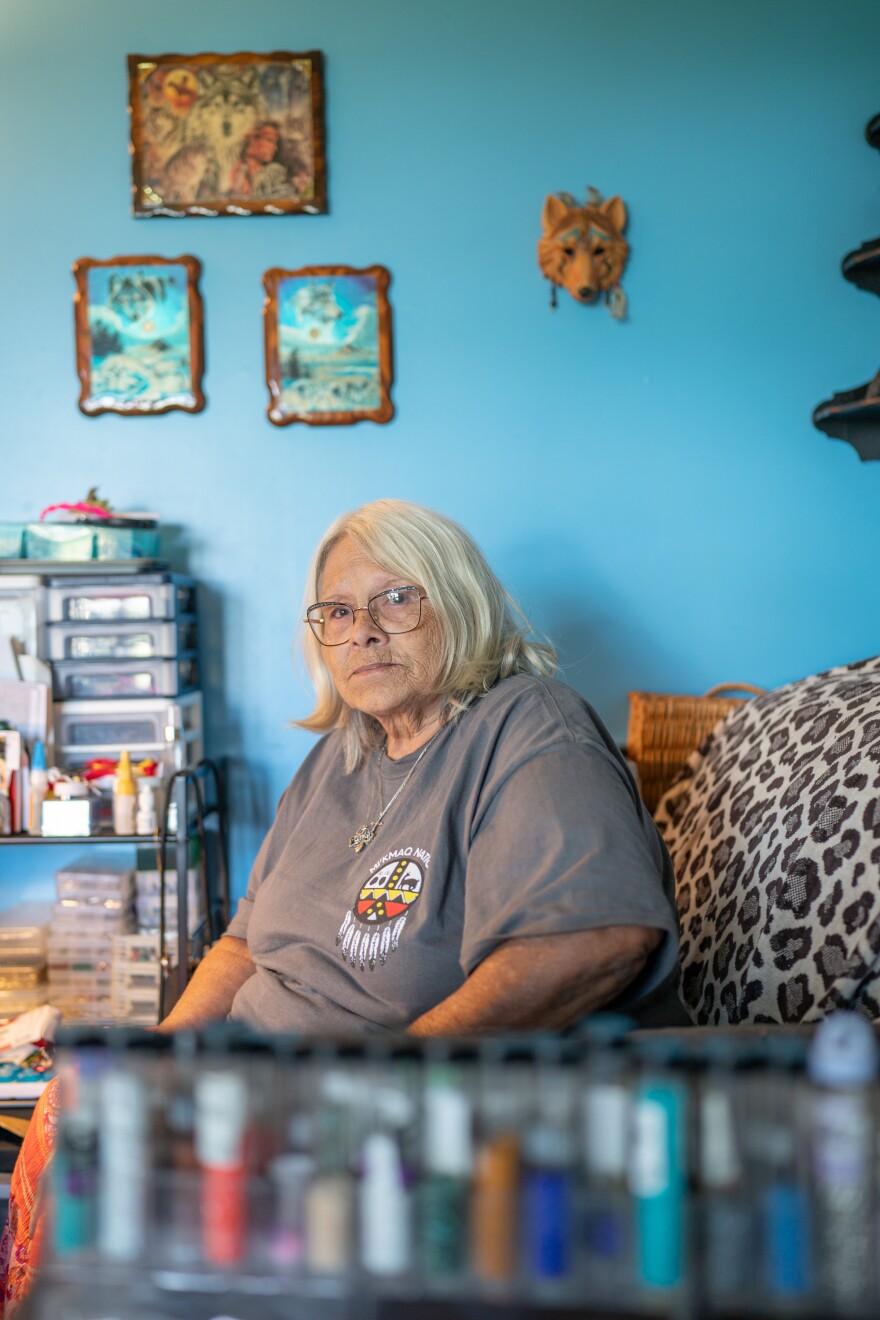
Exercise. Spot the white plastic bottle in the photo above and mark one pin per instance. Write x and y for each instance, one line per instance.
(39, 790)
(843, 1066)
(384, 1205)
(145, 822)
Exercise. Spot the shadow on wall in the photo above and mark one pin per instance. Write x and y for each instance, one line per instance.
(175, 545)
(218, 735)
(252, 810)
(603, 653)
(249, 799)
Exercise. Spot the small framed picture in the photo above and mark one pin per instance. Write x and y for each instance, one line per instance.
(139, 335)
(235, 134)
(328, 345)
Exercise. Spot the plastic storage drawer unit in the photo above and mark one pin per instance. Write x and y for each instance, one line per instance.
(24, 929)
(120, 641)
(13, 1002)
(91, 876)
(126, 542)
(134, 723)
(22, 610)
(106, 679)
(88, 729)
(11, 535)
(72, 541)
(102, 598)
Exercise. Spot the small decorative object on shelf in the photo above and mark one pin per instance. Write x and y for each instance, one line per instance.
(82, 530)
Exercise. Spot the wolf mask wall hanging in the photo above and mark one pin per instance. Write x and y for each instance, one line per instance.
(583, 250)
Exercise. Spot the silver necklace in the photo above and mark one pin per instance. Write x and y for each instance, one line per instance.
(367, 833)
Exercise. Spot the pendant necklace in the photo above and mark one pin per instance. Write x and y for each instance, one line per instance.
(367, 833)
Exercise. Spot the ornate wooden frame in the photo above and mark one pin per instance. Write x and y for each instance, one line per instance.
(171, 130)
(377, 373)
(140, 358)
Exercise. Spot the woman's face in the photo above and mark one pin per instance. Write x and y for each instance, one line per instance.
(391, 676)
(263, 144)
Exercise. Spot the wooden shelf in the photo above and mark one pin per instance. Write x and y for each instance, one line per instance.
(144, 839)
(78, 567)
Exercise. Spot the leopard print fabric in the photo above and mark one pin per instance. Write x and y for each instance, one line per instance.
(774, 831)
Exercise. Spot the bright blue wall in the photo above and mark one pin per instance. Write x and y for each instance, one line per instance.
(653, 492)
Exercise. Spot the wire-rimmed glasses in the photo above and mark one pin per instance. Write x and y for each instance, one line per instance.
(397, 610)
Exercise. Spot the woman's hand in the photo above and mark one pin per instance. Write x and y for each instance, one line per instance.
(542, 982)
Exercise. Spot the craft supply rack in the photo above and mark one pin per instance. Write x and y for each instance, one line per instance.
(607, 1174)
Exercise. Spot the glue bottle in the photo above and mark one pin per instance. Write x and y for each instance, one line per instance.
(146, 808)
(123, 797)
(38, 791)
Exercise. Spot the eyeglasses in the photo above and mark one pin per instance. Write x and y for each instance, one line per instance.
(397, 610)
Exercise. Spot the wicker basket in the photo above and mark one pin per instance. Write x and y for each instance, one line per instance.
(665, 728)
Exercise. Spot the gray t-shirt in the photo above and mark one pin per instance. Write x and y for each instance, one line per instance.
(521, 819)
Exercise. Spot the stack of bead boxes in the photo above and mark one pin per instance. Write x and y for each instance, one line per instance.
(103, 945)
(135, 978)
(23, 931)
(123, 650)
(95, 904)
(147, 892)
(136, 972)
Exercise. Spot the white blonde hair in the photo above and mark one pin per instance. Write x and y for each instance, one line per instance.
(484, 636)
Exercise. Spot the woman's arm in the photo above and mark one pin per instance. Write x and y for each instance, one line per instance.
(210, 993)
(542, 982)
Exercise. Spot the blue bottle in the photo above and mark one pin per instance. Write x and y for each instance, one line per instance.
(548, 1183)
(725, 1236)
(658, 1170)
(779, 1161)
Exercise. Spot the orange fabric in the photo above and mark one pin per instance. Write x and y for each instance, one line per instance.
(22, 1236)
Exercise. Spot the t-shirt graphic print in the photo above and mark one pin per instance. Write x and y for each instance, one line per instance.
(372, 927)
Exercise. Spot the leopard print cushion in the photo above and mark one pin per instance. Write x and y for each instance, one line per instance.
(774, 831)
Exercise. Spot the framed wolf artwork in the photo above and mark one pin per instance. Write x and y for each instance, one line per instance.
(328, 345)
(238, 134)
(139, 344)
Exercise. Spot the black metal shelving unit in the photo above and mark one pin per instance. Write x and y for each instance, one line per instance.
(186, 790)
(196, 792)
(854, 415)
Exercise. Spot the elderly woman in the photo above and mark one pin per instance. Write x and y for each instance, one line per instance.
(464, 850)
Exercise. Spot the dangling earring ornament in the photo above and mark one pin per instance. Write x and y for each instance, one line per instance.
(615, 300)
(553, 298)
